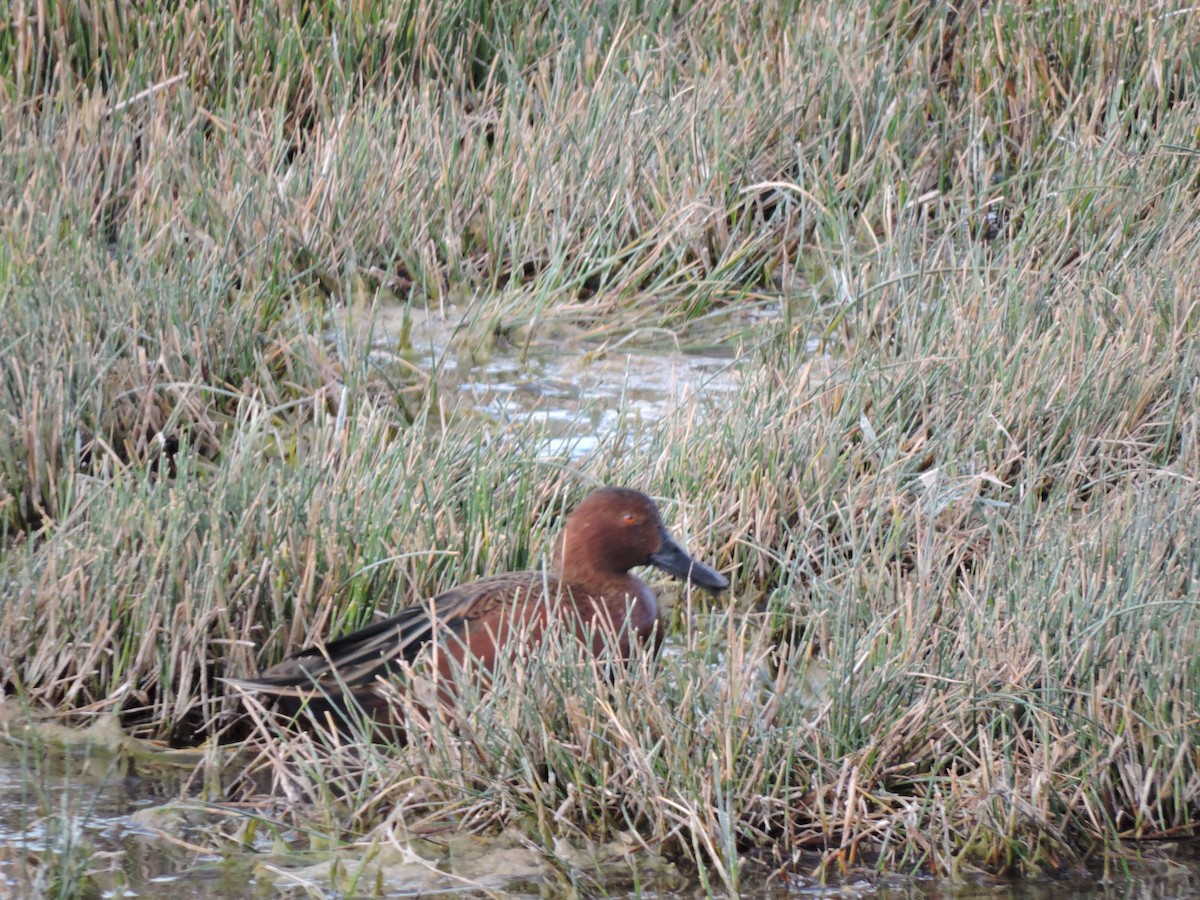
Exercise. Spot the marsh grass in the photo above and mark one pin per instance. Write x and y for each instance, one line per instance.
(962, 531)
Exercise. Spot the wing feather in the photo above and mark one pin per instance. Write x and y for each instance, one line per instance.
(356, 661)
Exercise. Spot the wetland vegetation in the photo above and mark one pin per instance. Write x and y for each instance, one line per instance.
(940, 262)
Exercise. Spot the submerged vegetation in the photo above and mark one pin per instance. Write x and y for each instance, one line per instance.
(950, 248)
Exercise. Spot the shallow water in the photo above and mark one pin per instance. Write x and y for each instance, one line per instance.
(581, 390)
(68, 828)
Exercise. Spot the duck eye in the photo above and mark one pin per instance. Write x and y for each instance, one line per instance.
(631, 518)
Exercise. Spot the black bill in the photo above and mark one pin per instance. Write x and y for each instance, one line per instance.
(673, 559)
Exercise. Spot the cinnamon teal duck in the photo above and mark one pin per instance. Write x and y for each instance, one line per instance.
(588, 585)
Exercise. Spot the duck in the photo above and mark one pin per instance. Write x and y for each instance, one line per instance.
(588, 584)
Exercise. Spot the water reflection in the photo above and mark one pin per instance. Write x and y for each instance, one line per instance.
(67, 827)
(580, 391)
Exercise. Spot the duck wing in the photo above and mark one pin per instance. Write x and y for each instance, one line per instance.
(357, 660)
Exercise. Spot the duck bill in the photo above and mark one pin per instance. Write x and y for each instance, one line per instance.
(673, 559)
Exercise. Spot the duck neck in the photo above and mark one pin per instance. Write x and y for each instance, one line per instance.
(577, 563)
